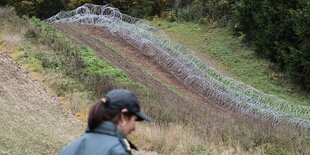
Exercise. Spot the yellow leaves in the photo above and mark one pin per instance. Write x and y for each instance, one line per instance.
(213, 21)
(206, 18)
(275, 75)
(210, 20)
(31, 2)
(236, 25)
(26, 3)
(76, 3)
(223, 2)
(242, 36)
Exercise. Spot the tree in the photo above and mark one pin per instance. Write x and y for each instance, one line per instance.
(39, 8)
(280, 32)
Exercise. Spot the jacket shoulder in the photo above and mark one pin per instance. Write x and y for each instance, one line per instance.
(96, 144)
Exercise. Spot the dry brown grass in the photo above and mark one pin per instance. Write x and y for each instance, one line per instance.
(176, 139)
(179, 127)
(171, 139)
(12, 28)
(32, 120)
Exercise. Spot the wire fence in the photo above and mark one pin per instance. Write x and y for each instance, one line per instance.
(220, 90)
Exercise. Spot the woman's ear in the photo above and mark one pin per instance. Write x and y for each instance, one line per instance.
(124, 110)
(124, 117)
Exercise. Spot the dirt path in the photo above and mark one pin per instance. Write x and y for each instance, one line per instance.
(31, 120)
(136, 65)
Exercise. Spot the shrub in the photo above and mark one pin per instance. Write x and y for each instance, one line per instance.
(216, 10)
(40, 8)
(192, 12)
(280, 32)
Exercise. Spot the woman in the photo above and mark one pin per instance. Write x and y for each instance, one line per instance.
(110, 121)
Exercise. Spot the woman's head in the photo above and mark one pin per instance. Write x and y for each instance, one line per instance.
(120, 107)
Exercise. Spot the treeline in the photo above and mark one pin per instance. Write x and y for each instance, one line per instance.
(279, 30)
(46, 8)
(38, 8)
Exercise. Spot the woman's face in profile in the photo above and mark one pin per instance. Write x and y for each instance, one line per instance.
(129, 126)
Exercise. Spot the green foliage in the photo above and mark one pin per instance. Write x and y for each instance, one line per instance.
(142, 9)
(78, 62)
(41, 61)
(92, 65)
(210, 10)
(228, 54)
(30, 59)
(199, 149)
(171, 17)
(136, 8)
(280, 32)
(46, 8)
(39, 8)
(216, 43)
(65, 56)
(192, 12)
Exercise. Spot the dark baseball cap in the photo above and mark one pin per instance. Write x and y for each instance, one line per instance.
(122, 98)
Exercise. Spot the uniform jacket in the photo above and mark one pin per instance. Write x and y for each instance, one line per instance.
(104, 140)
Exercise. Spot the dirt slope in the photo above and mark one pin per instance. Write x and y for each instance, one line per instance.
(31, 120)
(137, 66)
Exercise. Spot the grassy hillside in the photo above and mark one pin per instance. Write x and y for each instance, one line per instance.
(78, 72)
(32, 119)
(219, 48)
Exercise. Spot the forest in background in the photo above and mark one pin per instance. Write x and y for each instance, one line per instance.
(278, 30)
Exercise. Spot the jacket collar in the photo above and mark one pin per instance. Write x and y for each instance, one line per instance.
(108, 128)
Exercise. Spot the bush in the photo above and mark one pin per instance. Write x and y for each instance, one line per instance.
(171, 16)
(39, 8)
(280, 32)
(192, 12)
(215, 10)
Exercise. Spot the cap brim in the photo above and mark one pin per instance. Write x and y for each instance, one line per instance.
(142, 117)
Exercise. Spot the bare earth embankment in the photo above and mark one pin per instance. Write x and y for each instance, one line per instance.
(32, 121)
(134, 63)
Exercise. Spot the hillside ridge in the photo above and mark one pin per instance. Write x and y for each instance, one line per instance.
(29, 113)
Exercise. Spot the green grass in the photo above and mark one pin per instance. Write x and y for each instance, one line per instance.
(40, 59)
(79, 62)
(73, 72)
(66, 67)
(93, 65)
(226, 52)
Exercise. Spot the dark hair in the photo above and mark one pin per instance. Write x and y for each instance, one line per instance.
(101, 112)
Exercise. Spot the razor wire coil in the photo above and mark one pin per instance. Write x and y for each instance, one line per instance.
(224, 91)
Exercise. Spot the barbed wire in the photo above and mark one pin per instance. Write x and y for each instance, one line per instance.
(182, 63)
